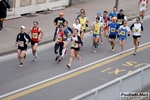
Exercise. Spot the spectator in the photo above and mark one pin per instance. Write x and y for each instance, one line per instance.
(3, 11)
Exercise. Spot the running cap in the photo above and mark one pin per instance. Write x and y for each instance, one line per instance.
(23, 27)
(99, 13)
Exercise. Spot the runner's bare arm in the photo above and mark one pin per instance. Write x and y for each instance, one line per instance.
(139, 3)
(41, 31)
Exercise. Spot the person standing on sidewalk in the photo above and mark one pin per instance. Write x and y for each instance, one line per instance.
(57, 22)
(137, 29)
(3, 12)
(143, 4)
(22, 41)
(36, 37)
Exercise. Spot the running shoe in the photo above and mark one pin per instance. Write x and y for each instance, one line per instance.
(134, 53)
(56, 58)
(80, 59)
(60, 59)
(94, 50)
(25, 56)
(35, 58)
(112, 49)
(20, 65)
(69, 66)
(66, 51)
(120, 53)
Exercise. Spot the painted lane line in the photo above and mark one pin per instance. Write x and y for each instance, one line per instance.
(75, 70)
(105, 70)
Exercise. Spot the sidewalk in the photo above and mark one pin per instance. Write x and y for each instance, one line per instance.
(12, 27)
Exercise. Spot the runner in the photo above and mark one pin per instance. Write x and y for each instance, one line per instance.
(59, 43)
(84, 22)
(75, 47)
(57, 21)
(121, 18)
(66, 36)
(124, 30)
(114, 26)
(81, 11)
(113, 13)
(143, 4)
(99, 16)
(78, 26)
(36, 37)
(101, 21)
(97, 27)
(137, 29)
(22, 41)
(105, 26)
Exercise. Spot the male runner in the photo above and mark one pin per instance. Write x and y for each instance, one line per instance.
(36, 37)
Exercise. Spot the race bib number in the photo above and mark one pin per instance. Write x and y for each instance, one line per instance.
(122, 33)
(95, 31)
(74, 45)
(21, 43)
(34, 35)
(59, 39)
(143, 5)
(119, 21)
(113, 30)
(104, 24)
(59, 21)
(136, 30)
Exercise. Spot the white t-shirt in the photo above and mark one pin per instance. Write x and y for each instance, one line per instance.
(77, 26)
(137, 28)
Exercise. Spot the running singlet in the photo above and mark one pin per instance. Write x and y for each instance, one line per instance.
(35, 34)
(113, 28)
(60, 35)
(97, 27)
(83, 23)
(124, 31)
(75, 44)
(113, 14)
(106, 19)
(143, 3)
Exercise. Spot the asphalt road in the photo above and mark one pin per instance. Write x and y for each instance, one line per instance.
(64, 88)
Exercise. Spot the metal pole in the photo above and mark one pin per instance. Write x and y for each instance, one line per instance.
(117, 3)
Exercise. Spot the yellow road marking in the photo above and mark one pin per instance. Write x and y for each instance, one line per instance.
(116, 71)
(33, 89)
(129, 72)
(142, 64)
(105, 70)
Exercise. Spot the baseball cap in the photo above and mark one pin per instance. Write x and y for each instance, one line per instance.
(99, 13)
(23, 27)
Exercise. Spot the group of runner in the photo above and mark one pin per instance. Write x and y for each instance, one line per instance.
(112, 26)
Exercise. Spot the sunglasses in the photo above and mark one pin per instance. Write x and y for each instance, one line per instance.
(125, 23)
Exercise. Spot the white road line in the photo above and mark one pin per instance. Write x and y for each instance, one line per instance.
(61, 75)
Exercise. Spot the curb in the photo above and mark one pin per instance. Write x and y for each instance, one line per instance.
(49, 41)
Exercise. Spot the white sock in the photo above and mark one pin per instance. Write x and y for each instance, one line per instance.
(63, 52)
